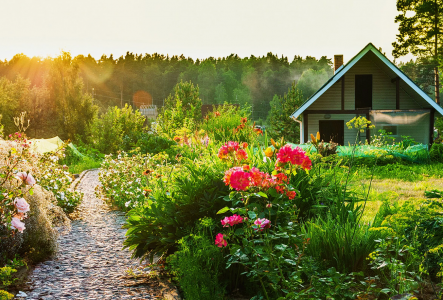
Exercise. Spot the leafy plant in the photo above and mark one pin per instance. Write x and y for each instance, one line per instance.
(198, 264)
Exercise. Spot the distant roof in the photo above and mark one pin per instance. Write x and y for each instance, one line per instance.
(343, 69)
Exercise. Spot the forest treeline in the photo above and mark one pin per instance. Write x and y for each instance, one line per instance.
(62, 94)
(136, 78)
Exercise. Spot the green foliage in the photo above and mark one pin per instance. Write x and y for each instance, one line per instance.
(116, 129)
(74, 109)
(182, 109)
(57, 179)
(153, 143)
(279, 117)
(390, 260)
(229, 123)
(198, 264)
(4, 295)
(418, 32)
(342, 245)
(180, 197)
(310, 81)
(436, 152)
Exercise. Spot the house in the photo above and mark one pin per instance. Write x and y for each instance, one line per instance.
(372, 86)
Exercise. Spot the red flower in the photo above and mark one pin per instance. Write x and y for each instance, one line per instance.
(217, 114)
(291, 194)
(220, 241)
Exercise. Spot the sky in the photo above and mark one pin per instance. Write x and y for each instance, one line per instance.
(197, 28)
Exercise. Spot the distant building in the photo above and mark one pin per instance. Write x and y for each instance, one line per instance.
(368, 85)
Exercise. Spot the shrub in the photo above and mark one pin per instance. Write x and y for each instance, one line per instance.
(116, 129)
(182, 109)
(198, 264)
(153, 144)
(179, 198)
(436, 152)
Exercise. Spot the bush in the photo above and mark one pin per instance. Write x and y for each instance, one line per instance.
(436, 152)
(198, 264)
(182, 109)
(116, 129)
(179, 198)
(153, 144)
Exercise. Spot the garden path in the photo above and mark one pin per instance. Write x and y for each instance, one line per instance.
(90, 263)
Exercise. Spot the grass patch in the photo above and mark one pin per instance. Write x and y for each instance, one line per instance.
(85, 164)
(396, 190)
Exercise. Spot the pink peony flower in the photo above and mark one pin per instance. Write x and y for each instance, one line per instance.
(17, 224)
(262, 224)
(25, 177)
(21, 205)
(240, 180)
(220, 241)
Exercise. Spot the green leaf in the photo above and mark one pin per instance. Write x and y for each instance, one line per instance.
(31, 192)
(223, 210)
(385, 291)
(261, 194)
(252, 215)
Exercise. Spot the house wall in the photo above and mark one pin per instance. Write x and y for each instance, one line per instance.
(349, 134)
(383, 90)
(413, 124)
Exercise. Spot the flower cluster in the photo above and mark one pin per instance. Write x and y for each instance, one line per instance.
(232, 220)
(22, 208)
(233, 151)
(294, 156)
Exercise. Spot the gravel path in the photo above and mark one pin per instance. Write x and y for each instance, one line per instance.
(90, 263)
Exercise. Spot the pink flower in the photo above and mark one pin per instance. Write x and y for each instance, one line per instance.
(228, 173)
(17, 224)
(240, 180)
(25, 177)
(225, 222)
(262, 224)
(220, 241)
(21, 205)
(232, 220)
(286, 154)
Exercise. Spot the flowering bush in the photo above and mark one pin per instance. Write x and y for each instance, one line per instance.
(15, 184)
(124, 179)
(57, 179)
(262, 229)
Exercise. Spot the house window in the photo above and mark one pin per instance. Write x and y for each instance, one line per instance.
(390, 129)
(363, 91)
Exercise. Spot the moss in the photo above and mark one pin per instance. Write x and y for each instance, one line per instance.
(4, 295)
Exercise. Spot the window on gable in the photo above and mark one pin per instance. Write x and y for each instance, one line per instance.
(363, 91)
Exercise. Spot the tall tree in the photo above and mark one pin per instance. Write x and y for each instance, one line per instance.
(281, 109)
(420, 32)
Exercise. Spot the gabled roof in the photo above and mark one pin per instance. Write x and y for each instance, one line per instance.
(343, 69)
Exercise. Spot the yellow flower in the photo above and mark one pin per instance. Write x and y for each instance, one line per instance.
(269, 152)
